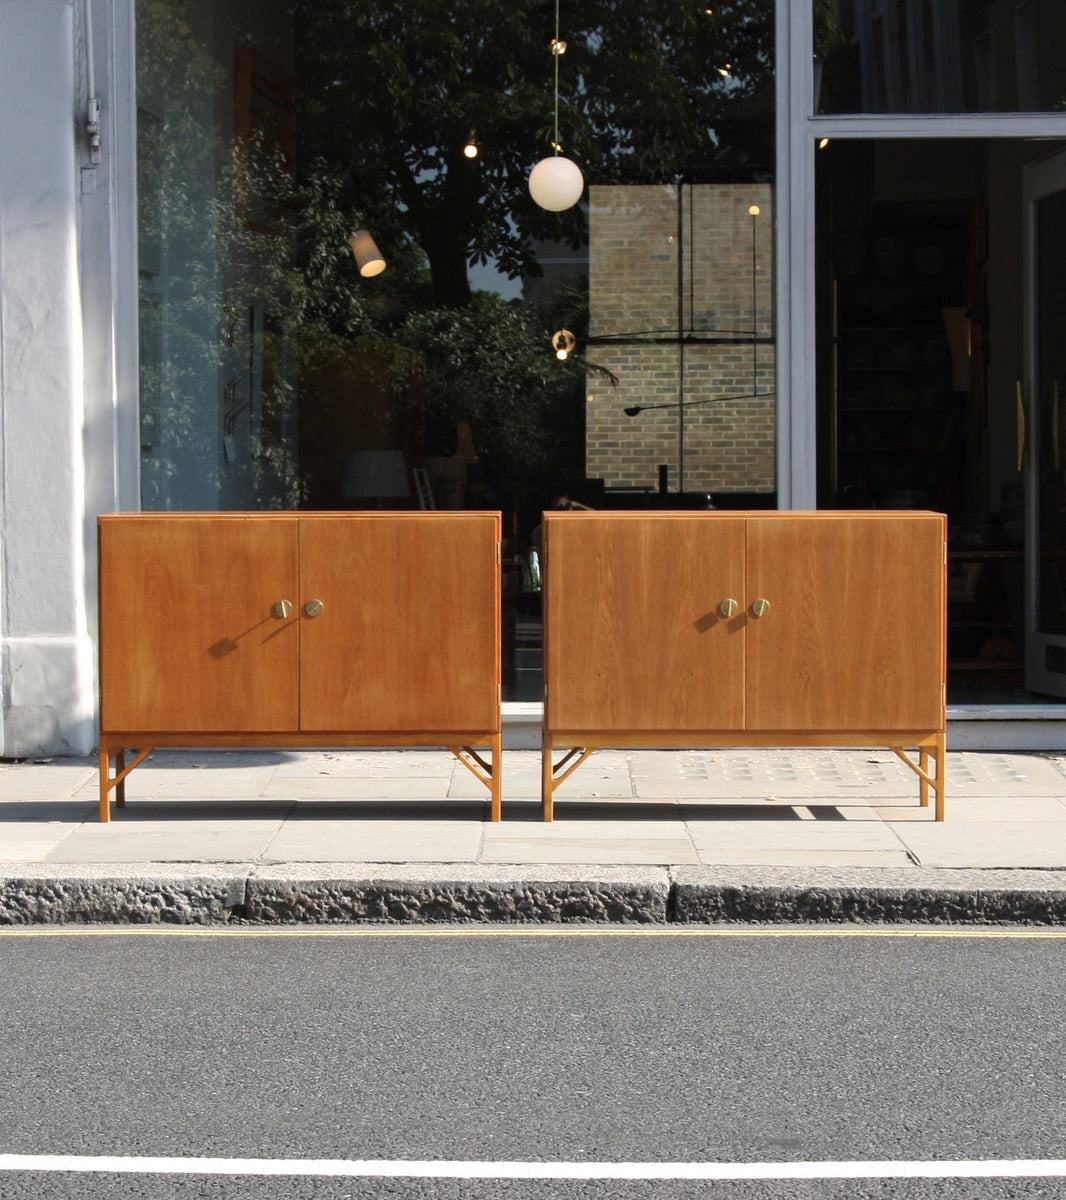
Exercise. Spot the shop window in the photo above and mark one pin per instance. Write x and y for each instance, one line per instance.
(271, 367)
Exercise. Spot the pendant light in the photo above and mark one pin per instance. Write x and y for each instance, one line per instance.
(556, 183)
(368, 258)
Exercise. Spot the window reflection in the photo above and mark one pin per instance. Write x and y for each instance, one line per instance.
(270, 133)
(939, 56)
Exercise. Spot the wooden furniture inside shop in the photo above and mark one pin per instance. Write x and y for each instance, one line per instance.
(744, 629)
(299, 630)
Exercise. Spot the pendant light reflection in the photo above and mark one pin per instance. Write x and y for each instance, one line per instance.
(368, 258)
(563, 343)
(556, 183)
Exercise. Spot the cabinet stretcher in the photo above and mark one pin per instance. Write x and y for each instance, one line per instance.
(465, 746)
(578, 745)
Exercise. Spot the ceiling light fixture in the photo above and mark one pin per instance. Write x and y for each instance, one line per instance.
(556, 183)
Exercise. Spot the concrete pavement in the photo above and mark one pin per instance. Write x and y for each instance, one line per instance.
(639, 836)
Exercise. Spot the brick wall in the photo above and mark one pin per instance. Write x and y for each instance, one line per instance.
(633, 298)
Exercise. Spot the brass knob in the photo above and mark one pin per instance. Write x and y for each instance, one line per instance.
(313, 608)
(760, 607)
(282, 609)
(728, 608)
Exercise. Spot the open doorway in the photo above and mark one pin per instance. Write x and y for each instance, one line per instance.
(922, 367)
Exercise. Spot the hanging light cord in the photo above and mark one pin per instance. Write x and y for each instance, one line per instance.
(558, 48)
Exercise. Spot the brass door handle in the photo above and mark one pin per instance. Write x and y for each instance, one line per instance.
(313, 608)
(728, 608)
(282, 608)
(760, 607)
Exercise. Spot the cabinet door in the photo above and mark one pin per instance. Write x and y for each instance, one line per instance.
(854, 636)
(633, 635)
(189, 641)
(408, 634)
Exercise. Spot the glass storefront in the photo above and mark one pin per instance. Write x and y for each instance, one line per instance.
(275, 374)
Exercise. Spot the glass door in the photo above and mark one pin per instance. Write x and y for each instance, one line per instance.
(1041, 423)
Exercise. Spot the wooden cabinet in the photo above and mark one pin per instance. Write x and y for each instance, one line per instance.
(744, 629)
(299, 629)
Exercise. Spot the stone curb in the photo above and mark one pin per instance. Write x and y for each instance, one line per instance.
(892, 896)
(437, 894)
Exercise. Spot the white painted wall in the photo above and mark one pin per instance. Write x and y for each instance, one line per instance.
(46, 649)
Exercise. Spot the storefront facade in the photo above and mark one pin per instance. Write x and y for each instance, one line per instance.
(833, 279)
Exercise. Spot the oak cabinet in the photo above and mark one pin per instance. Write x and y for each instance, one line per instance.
(299, 629)
(744, 629)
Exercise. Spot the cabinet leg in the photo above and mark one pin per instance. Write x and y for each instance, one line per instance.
(120, 778)
(496, 782)
(940, 755)
(547, 779)
(105, 782)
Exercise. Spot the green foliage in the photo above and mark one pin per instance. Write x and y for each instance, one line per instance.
(388, 92)
(491, 364)
(395, 88)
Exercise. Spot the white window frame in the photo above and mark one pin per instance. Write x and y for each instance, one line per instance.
(799, 130)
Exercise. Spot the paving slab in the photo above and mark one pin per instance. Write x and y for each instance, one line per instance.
(358, 787)
(961, 807)
(774, 774)
(166, 841)
(192, 779)
(836, 836)
(46, 780)
(369, 764)
(360, 840)
(984, 845)
(634, 849)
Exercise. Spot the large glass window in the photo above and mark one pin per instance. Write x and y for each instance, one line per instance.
(275, 374)
(939, 56)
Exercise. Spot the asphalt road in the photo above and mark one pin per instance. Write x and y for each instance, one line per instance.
(542, 1048)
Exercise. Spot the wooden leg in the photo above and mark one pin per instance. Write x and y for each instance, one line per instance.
(923, 782)
(547, 781)
(496, 783)
(120, 771)
(940, 755)
(105, 781)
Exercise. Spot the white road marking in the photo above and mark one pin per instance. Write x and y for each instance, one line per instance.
(462, 1169)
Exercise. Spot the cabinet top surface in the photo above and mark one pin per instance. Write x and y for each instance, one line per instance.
(757, 514)
(404, 514)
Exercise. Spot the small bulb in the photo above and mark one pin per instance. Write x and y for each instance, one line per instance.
(725, 70)
(754, 210)
(823, 143)
(470, 149)
(563, 342)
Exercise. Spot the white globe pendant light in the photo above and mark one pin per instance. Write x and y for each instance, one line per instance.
(556, 183)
